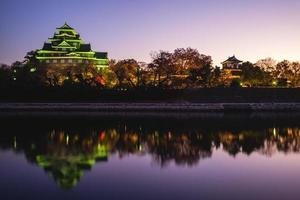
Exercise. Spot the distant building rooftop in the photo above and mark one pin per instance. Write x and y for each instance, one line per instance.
(232, 59)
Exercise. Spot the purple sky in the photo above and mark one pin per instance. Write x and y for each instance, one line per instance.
(250, 29)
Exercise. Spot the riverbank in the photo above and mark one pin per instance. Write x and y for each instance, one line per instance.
(148, 107)
(192, 96)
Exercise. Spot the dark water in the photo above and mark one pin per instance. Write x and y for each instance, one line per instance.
(214, 157)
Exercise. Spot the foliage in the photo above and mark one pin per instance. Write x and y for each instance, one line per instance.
(126, 72)
(163, 68)
(180, 69)
(253, 76)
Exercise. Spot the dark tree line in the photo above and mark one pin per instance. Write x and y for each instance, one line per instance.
(187, 68)
(180, 69)
(184, 68)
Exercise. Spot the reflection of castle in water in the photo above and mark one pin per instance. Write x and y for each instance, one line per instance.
(66, 154)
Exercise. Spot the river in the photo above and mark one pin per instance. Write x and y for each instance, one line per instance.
(228, 156)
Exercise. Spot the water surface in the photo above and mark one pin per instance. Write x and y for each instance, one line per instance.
(219, 157)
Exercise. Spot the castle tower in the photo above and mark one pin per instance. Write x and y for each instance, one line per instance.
(66, 48)
(232, 67)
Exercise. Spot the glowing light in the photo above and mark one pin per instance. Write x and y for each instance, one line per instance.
(274, 132)
(15, 142)
(67, 139)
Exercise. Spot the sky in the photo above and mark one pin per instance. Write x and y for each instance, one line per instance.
(249, 29)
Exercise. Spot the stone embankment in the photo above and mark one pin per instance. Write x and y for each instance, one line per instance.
(149, 107)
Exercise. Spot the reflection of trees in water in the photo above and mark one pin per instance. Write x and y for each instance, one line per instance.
(65, 154)
(182, 148)
(282, 140)
(244, 141)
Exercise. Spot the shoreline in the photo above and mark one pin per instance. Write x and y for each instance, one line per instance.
(149, 107)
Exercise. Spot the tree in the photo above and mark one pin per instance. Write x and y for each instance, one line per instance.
(185, 59)
(267, 64)
(253, 75)
(31, 59)
(85, 75)
(282, 69)
(200, 75)
(162, 67)
(294, 74)
(126, 72)
(144, 75)
(22, 76)
(216, 78)
(5, 76)
(24, 73)
(193, 66)
(182, 68)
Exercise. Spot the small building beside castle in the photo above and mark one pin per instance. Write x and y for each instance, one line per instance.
(232, 68)
(67, 49)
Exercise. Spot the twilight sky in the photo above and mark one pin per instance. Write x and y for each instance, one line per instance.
(250, 29)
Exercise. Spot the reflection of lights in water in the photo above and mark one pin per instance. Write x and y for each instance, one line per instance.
(169, 135)
(76, 138)
(67, 139)
(52, 134)
(274, 132)
(134, 137)
(290, 131)
(102, 136)
(67, 161)
(15, 142)
(241, 136)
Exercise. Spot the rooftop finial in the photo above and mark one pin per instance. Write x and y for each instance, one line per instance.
(65, 26)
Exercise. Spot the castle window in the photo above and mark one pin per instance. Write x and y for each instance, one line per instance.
(62, 61)
(69, 61)
(54, 61)
(47, 61)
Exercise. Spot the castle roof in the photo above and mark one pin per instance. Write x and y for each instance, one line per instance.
(64, 44)
(232, 59)
(101, 55)
(47, 46)
(85, 47)
(65, 26)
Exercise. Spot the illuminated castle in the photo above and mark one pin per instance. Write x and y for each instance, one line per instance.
(232, 67)
(66, 48)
